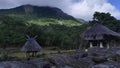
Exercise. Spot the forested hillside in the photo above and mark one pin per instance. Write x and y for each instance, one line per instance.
(41, 15)
(52, 26)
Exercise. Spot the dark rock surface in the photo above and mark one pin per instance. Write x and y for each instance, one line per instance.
(60, 61)
(93, 58)
(109, 64)
(37, 63)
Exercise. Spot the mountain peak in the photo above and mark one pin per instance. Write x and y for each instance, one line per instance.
(27, 5)
(39, 11)
(28, 8)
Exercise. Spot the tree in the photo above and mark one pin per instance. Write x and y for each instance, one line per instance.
(12, 30)
(105, 19)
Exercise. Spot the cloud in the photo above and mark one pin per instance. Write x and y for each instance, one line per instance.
(78, 8)
(86, 8)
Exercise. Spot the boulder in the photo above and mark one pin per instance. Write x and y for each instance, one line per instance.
(25, 64)
(109, 64)
(79, 54)
(99, 59)
(115, 54)
(100, 66)
(96, 51)
(60, 61)
(39, 63)
(15, 64)
(85, 62)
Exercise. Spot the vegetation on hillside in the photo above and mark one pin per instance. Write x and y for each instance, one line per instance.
(36, 12)
(53, 27)
(64, 34)
(106, 19)
(13, 31)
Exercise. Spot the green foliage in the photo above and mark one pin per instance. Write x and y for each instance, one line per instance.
(14, 28)
(32, 19)
(49, 21)
(55, 35)
(102, 17)
(11, 30)
(107, 20)
(53, 27)
(64, 34)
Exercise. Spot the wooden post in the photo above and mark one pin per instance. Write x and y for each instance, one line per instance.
(114, 43)
(86, 50)
(32, 54)
(91, 45)
(108, 46)
(101, 45)
(26, 55)
(35, 53)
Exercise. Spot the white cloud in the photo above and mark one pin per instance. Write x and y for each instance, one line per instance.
(81, 8)
(86, 8)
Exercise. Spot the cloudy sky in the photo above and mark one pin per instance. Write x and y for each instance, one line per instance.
(78, 8)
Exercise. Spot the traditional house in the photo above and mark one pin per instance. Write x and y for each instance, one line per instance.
(99, 35)
(31, 47)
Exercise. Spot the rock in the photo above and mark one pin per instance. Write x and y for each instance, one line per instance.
(67, 67)
(25, 64)
(80, 54)
(100, 66)
(58, 60)
(94, 58)
(114, 49)
(96, 51)
(99, 59)
(109, 64)
(39, 63)
(15, 64)
(118, 52)
(100, 53)
(115, 54)
(85, 62)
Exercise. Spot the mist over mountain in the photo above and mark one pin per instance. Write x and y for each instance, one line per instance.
(39, 11)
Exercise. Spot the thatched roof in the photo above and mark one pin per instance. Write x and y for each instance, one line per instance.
(31, 45)
(98, 32)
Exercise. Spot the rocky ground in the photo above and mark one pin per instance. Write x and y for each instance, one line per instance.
(93, 58)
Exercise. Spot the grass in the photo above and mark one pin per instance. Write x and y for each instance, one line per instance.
(45, 52)
(45, 21)
(48, 21)
(18, 55)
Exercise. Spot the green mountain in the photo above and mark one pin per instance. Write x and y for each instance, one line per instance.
(41, 15)
(52, 26)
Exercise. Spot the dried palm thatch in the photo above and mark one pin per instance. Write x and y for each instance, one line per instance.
(31, 46)
(98, 32)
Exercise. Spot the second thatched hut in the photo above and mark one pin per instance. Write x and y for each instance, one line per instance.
(31, 47)
(99, 35)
